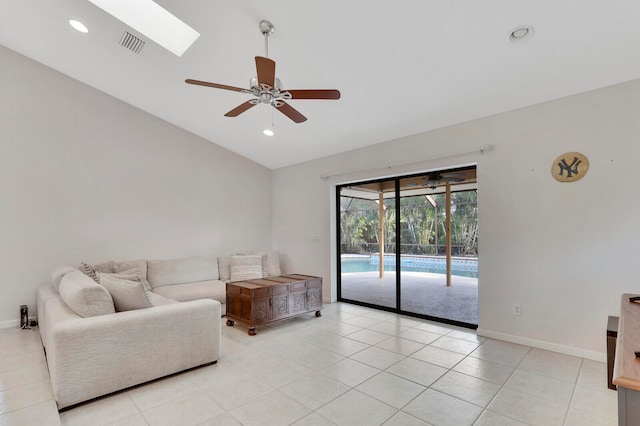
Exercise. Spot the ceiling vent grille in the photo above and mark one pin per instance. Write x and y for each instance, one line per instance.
(131, 42)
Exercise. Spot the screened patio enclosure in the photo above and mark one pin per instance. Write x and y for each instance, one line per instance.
(410, 245)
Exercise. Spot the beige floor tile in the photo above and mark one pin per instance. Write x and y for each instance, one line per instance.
(403, 419)
(595, 401)
(438, 356)
(361, 321)
(455, 345)
(583, 418)
(189, 410)
(400, 345)
(434, 328)
(356, 409)
(344, 346)
(25, 396)
(552, 364)
(314, 391)
(390, 328)
(225, 419)
(23, 376)
(340, 328)
(485, 370)
(541, 386)
(470, 336)
(318, 359)
(234, 390)
(498, 354)
(593, 374)
(368, 336)
(489, 418)
(378, 358)
(313, 419)
(466, 388)
(43, 414)
(420, 336)
(527, 408)
(134, 420)
(161, 391)
(272, 409)
(24, 360)
(443, 410)
(350, 372)
(417, 371)
(391, 389)
(283, 374)
(101, 412)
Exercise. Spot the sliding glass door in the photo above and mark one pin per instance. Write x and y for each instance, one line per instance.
(409, 245)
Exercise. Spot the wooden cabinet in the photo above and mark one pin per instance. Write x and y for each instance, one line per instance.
(257, 302)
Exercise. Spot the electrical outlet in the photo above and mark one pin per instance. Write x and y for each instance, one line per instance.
(517, 309)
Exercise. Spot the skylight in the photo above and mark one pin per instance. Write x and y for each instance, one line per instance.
(152, 21)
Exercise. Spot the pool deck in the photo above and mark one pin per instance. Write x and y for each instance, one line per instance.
(422, 293)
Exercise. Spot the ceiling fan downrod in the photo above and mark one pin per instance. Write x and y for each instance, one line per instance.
(266, 28)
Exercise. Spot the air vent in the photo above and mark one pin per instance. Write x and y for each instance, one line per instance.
(131, 42)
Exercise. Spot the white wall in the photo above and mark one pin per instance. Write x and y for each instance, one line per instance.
(85, 177)
(565, 251)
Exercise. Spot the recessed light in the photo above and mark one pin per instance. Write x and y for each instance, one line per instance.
(520, 34)
(79, 26)
(268, 132)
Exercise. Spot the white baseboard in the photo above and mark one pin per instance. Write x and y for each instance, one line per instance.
(9, 324)
(541, 344)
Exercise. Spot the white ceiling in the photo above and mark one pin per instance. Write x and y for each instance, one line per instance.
(403, 67)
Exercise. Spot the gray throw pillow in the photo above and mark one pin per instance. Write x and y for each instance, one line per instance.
(127, 295)
(246, 267)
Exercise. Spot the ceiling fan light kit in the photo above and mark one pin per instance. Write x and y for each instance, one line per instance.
(267, 89)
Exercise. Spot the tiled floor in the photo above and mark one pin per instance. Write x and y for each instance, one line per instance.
(352, 366)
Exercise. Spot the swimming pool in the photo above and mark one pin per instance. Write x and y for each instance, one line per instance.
(435, 265)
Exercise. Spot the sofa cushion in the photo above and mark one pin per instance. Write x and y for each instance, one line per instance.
(212, 289)
(133, 267)
(246, 267)
(127, 295)
(84, 296)
(58, 273)
(179, 271)
(157, 300)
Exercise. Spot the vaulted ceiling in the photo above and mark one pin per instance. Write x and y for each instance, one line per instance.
(403, 67)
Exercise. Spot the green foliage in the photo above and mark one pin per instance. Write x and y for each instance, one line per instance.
(422, 226)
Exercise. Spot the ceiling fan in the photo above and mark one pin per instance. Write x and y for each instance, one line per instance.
(267, 88)
(435, 179)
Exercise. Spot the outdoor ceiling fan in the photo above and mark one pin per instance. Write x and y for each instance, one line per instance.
(435, 179)
(267, 89)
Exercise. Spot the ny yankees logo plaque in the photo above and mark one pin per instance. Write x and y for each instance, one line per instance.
(569, 167)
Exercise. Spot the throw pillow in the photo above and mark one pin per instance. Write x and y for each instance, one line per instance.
(92, 270)
(127, 295)
(137, 268)
(224, 268)
(58, 273)
(271, 263)
(84, 296)
(246, 267)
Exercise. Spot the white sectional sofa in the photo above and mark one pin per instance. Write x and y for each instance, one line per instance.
(147, 319)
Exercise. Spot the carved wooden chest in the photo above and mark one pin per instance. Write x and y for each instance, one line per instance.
(257, 302)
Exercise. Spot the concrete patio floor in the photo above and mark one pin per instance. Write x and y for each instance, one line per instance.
(422, 293)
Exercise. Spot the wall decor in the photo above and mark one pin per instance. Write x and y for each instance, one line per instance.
(569, 167)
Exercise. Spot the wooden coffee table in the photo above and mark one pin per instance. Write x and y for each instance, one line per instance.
(261, 301)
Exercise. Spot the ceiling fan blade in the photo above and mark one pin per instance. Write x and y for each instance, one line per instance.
(214, 85)
(240, 109)
(290, 112)
(266, 69)
(314, 94)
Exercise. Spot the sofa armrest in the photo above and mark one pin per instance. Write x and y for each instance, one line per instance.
(90, 357)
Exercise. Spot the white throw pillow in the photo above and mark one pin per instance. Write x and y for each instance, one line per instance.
(246, 267)
(58, 273)
(224, 268)
(127, 295)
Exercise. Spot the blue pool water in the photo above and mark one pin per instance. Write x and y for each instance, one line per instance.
(435, 266)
